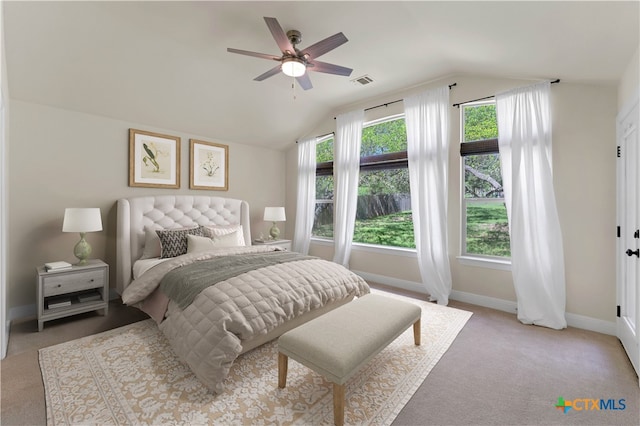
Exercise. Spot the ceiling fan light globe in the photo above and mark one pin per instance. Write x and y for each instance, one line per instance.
(293, 67)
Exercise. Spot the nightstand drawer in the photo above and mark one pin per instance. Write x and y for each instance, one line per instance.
(70, 282)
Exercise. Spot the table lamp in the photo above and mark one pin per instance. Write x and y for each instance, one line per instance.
(82, 220)
(274, 214)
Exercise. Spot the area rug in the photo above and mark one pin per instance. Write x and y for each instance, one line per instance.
(130, 375)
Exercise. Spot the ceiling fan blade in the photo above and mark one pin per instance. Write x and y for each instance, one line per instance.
(324, 46)
(329, 68)
(304, 81)
(255, 54)
(273, 71)
(279, 35)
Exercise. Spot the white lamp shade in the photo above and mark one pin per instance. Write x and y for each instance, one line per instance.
(293, 67)
(82, 220)
(274, 214)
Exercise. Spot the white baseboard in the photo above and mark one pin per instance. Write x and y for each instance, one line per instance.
(5, 344)
(485, 301)
(393, 282)
(593, 324)
(573, 320)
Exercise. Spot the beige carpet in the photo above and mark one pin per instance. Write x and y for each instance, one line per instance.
(130, 375)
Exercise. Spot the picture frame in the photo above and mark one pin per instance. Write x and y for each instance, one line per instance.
(154, 160)
(209, 164)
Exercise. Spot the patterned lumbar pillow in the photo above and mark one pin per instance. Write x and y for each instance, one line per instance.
(173, 242)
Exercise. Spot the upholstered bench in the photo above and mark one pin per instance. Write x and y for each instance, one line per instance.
(340, 342)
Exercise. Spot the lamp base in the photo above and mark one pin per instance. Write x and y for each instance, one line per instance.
(82, 250)
(274, 232)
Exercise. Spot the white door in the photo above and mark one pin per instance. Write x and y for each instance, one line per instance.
(628, 251)
(4, 332)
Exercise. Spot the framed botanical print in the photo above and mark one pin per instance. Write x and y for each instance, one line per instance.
(154, 160)
(209, 165)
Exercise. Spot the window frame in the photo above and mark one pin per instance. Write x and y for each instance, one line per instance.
(321, 169)
(469, 148)
(392, 160)
(463, 228)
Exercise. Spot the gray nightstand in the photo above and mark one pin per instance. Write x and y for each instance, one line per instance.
(72, 291)
(285, 244)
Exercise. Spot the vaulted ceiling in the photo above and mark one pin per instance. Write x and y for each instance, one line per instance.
(165, 64)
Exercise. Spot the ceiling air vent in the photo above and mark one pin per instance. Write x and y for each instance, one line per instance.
(364, 80)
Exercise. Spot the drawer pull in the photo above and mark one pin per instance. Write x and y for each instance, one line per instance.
(59, 285)
(91, 280)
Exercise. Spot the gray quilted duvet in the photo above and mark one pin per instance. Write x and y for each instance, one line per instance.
(207, 335)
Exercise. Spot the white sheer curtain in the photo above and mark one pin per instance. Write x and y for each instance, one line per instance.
(427, 120)
(537, 256)
(346, 171)
(306, 202)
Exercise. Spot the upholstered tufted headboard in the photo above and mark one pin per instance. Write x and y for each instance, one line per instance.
(169, 211)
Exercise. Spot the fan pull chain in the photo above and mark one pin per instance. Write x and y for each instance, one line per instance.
(293, 87)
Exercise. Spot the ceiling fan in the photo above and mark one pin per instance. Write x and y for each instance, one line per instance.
(296, 62)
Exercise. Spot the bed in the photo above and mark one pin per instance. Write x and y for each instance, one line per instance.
(188, 262)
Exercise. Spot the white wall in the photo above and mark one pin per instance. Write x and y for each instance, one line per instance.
(630, 81)
(62, 159)
(584, 178)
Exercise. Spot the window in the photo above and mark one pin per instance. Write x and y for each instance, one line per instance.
(485, 230)
(323, 218)
(383, 215)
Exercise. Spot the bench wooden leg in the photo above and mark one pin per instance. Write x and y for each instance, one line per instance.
(338, 404)
(283, 362)
(416, 333)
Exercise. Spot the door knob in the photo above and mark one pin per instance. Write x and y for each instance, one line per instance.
(631, 252)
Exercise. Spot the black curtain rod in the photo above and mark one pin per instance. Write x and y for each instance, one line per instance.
(377, 106)
(492, 96)
(394, 102)
(322, 136)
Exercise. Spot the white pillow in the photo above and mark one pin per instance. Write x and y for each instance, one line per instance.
(197, 244)
(151, 244)
(233, 239)
(220, 230)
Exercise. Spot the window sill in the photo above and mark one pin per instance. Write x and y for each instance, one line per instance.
(371, 248)
(322, 241)
(481, 262)
(484, 262)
